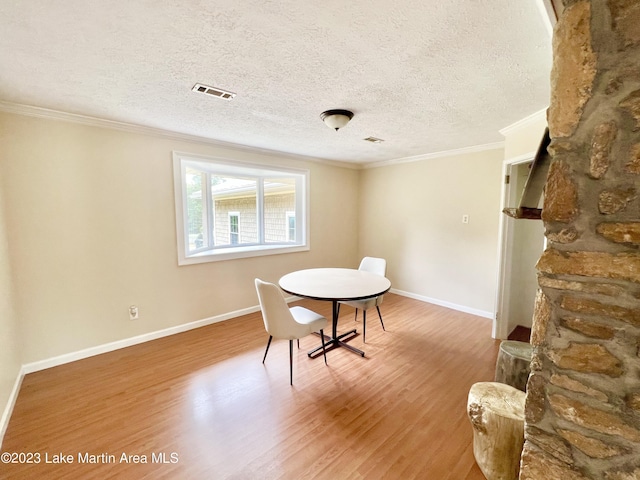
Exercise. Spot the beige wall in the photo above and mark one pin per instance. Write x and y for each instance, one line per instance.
(411, 214)
(10, 360)
(525, 137)
(91, 230)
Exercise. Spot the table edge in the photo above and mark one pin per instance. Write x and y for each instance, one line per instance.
(335, 299)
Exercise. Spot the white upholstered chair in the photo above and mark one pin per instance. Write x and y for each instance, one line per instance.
(379, 267)
(282, 322)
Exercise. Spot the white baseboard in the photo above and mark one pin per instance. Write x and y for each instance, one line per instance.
(127, 342)
(8, 409)
(442, 303)
(99, 349)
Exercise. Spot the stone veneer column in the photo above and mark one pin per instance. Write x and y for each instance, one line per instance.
(583, 398)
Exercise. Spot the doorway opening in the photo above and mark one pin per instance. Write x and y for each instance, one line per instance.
(522, 241)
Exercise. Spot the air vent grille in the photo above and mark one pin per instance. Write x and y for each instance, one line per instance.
(373, 140)
(213, 91)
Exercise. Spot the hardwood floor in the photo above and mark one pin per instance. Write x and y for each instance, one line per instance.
(204, 397)
(520, 334)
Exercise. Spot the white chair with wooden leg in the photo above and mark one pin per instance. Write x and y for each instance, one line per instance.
(282, 322)
(379, 267)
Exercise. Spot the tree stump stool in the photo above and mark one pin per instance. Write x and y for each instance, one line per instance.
(496, 412)
(513, 364)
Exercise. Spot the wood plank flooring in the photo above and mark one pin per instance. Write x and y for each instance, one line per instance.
(520, 334)
(201, 405)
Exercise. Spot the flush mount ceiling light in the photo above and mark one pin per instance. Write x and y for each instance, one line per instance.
(336, 119)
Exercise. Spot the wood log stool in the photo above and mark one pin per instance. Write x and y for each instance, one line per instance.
(513, 364)
(496, 412)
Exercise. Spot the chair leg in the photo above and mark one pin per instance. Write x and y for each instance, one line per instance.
(364, 326)
(298, 343)
(380, 315)
(324, 351)
(355, 319)
(267, 350)
(290, 362)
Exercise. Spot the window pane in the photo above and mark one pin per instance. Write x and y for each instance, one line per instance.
(237, 196)
(196, 231)
(227, 210)
(234, 230)
(291, 217)
(279, 198)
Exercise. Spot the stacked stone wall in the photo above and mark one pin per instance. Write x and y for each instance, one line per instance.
(583, 400)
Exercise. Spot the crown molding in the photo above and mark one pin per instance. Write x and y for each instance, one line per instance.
(46, 113)
(441, 154)
(525, 122)
(40, 112)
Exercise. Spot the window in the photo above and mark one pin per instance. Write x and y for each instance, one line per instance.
(291, 226)
(228, 210)
(234, 232)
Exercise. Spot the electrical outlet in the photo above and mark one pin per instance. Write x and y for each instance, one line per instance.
(133, 313)
(465, 218)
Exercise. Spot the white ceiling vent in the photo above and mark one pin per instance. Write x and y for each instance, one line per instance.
(213, 91)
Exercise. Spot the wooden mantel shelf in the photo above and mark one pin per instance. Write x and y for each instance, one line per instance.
(524, 212)
(534, 185)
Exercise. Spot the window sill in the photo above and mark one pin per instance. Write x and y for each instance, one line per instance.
(235, 253)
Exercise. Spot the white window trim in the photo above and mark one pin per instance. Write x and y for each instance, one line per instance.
(181, 160)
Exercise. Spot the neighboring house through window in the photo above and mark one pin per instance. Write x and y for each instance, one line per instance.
(231, 210)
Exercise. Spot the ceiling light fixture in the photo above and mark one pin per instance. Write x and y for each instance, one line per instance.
(336, 119)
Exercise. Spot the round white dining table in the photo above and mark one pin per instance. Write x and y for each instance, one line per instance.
(335, 285)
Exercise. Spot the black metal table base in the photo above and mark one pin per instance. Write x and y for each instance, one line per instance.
(339, 341)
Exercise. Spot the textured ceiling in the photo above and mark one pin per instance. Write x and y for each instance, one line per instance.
(424, 75)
